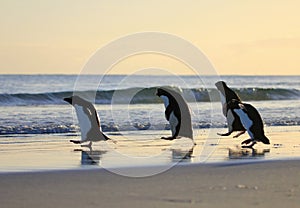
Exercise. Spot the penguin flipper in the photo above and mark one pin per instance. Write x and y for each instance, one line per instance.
(107, 138)
(168, 112)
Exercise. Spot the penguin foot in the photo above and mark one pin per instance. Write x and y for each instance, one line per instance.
(225, 134)
(76, 141)
(168, 138)
(249, 146)
(247, 141)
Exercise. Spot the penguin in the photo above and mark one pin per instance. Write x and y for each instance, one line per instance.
(233, 121)
(251, 120)
(88, 119)
(177, 113)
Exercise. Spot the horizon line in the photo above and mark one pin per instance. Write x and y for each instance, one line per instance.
(71, 74)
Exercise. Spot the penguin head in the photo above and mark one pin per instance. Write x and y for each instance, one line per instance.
(168, 92)
(221, 85)
(73, 100)
(164, 95)
(68, 99)
(161, 92)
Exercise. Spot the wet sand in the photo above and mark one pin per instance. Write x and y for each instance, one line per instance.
(48, 171)
(259, 184)
(141, 148)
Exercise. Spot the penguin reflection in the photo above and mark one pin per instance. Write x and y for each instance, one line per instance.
(182, 155)
(91, 157)
(249, 153)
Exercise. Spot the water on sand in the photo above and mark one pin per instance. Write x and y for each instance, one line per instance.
(54, 152)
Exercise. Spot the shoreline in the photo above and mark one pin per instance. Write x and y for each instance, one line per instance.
(114, 170)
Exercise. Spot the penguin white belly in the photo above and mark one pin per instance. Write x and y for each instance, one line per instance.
(230, 119)
(165, 100)
(245, 120)
(224, 104)
(84, 121)
(173, 123)
(223, 99)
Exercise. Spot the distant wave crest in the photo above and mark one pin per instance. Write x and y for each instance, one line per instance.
(144, 96)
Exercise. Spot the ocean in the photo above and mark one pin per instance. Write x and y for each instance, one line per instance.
(36, 124)
(33, 104)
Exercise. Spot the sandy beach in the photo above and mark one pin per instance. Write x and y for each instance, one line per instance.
(262, 184)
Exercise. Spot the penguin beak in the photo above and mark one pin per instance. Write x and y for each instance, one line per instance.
(69, 100)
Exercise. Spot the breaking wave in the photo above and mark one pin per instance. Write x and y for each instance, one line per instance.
(144, 96)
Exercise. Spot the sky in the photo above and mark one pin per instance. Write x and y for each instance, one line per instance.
(238, 37)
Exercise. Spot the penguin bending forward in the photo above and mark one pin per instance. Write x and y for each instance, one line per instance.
(233, 121)
(88, 119)
(251, 121)
(177, 113)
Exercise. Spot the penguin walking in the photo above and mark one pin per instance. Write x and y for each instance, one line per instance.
(233, 121)
(88, 119)
(177, 113)
(251, 120)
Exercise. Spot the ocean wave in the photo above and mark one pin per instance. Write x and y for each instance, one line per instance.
(144, 96)
(41, 129)
(112, 128)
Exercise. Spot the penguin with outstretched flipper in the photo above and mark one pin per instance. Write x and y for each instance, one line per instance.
(251, 120)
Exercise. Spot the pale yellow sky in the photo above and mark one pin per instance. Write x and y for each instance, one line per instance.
(239, 37)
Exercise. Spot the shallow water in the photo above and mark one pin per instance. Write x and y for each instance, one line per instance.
(52, 119)
(55, 152)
